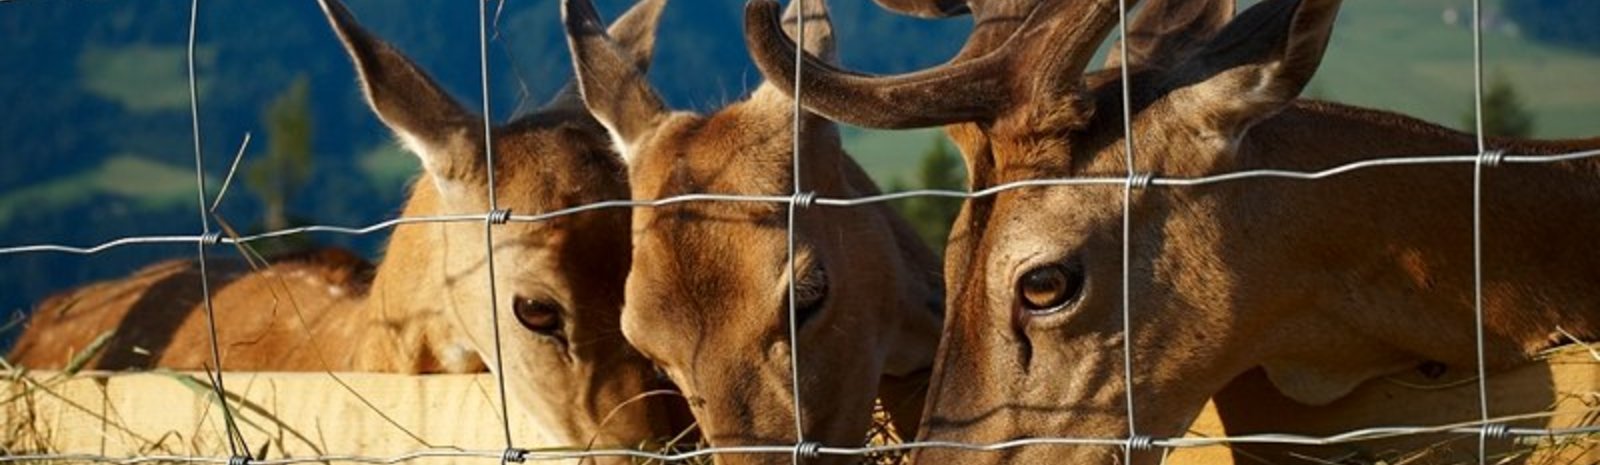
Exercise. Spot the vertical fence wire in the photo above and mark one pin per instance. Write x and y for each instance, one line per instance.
(794, 170)
(218, 388)
(490, 221)
(496, 216)
(1477, 227)
(1127, 236)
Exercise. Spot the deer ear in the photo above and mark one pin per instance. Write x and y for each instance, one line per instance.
(428, 122)
(1168, 30)
(635, 32)
(613, 85)
(1261, 61)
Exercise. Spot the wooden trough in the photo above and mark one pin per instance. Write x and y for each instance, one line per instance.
(312, 414)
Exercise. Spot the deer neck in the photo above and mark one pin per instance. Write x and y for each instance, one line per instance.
(405, 307)
(1385, 257)
(920, 302)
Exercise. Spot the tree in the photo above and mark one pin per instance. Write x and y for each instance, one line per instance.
(286, 168)
(1503, 112)
(932, 216)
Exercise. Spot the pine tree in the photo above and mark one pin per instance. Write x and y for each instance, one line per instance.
(286, 168)
(1503, 112)
(932, 216)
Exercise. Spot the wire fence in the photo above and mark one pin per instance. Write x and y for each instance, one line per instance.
(1484, 428)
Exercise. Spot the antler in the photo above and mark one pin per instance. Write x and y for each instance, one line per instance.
(927, 8)
(974, 89)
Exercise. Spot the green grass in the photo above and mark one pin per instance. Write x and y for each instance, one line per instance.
(1401, 56)
(143, 78)
(148, 184)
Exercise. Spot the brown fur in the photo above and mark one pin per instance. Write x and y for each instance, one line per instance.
(707, 294)
(269, 320)
(429, 296)
(1322, 284)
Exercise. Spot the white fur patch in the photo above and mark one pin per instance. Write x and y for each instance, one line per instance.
(619, 144)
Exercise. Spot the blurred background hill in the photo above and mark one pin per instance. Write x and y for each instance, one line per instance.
(95, 141)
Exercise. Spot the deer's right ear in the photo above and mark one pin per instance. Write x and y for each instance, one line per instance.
(613, 85)
(1260, 62)
(428, 122)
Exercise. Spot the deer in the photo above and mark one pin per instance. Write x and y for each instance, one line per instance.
(708, 297)
(559, 283)
(1316, 286)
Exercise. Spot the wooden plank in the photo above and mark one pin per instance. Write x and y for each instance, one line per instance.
(302, 414)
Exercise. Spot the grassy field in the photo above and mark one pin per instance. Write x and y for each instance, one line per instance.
(148, 184)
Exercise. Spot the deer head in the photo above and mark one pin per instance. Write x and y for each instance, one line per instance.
(1223, 278)
(707, 297)
(558, 282)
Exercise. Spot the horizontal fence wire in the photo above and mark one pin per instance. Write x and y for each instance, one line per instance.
(1484, 429)
(808, 199)
(812, 449)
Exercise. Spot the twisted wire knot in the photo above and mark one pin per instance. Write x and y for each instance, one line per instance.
(514, 455)
(1492, 158)
(1141, 180)
(1141, 443)
(212, 238)
(804, 199)
(808, 450)
(1496, 431)
(239, 460)
(500, 216)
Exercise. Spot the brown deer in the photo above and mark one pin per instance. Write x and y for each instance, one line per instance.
(708, 296)
(1320, 285)
(568, 367)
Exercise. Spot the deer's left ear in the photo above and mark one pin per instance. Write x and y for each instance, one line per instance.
(1166, 31)
(1259, 63)
(610, 78)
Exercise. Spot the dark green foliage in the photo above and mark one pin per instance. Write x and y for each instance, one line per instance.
(286, 167)
(1503, 112)
(940, 168)
(1569, 23)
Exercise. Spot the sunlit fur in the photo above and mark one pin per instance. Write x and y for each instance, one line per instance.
(1324, 284)
(707, 297)
(426, 307)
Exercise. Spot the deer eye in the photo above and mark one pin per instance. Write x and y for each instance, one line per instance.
(1049, 288)
(540, 316)
(810, 292)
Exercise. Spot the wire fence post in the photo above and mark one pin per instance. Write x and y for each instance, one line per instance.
(1134, 441)
(1484, 427)
(494, 217)
(236, 445)
(800, 446)
(1485, 158)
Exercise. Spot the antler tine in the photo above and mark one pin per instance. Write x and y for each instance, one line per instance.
(994, 21)
(967, 91)
(1062, 34)
(927, 8)
(819, 30)
(1066, 41)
